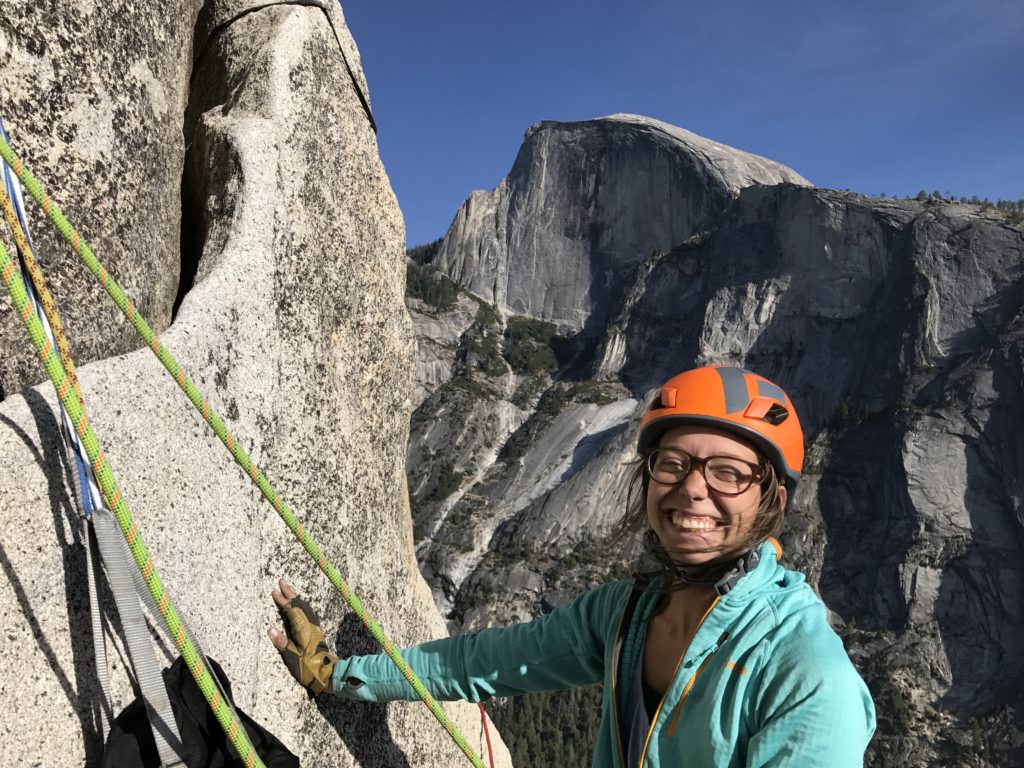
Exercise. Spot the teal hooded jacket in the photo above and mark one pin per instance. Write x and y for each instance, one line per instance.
(764, 682)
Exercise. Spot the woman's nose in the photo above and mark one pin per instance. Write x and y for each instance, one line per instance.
(694, 485)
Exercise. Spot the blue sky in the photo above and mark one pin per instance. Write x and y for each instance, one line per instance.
(869, 96)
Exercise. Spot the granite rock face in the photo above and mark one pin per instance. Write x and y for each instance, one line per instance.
(438, 338)
(295, 330)
(583, 204)
(88, 87)
(896, 326)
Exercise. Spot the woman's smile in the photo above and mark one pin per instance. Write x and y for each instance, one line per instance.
(692, 522)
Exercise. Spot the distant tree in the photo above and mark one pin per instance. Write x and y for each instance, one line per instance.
(569, 757)
(542, 729)
(922, 196)
(883, 195)
(975, 200)
(424, 254)
(431, 286)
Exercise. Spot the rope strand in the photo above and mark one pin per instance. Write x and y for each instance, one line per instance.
(112, 494)
(242, 458)
(49, 307)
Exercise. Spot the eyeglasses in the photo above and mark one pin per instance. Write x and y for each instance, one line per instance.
(723, 474)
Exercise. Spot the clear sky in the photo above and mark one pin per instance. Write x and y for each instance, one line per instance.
(870, 96)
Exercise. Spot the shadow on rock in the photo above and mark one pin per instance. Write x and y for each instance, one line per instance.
(362, 726)
(863, 500)
(979, 608)
(588, 448)
(83, 692)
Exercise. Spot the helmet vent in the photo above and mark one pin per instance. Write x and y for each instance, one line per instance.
(776, 414)
(668, 397)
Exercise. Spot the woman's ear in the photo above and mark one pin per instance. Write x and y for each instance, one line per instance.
(783, 496)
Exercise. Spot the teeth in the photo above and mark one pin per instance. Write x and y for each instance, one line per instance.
(691, 523)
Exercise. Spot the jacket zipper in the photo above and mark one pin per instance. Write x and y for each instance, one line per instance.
(690, 683)
(682, 655)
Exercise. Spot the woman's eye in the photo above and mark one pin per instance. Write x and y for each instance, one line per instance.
(670, 465)
(728, 473)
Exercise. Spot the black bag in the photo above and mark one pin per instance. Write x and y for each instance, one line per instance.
(205, 745)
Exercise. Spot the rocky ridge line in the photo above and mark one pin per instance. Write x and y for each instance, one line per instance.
(897, 327)
(583, 203)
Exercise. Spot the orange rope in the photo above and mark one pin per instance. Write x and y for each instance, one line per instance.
(487, 734)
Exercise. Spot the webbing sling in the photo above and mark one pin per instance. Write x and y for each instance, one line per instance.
(92, 556)
(100, 535)
(136, 633)
(118, 505)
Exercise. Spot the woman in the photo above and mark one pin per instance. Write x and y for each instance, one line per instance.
(721, 657)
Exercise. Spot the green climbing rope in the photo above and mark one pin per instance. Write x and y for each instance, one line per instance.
(67, 363)
(116, 503)
(42, 291)
(201, 404)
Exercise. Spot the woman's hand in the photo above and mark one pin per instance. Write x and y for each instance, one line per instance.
(303, 646)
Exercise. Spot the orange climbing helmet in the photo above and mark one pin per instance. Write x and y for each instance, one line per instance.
(737, 401)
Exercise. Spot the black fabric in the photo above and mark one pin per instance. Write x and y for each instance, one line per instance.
(641, 581)
(130, 743)
(651, 698)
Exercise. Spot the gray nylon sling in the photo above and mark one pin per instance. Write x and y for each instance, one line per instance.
(99, 646)
(127, 587)
(139, 640)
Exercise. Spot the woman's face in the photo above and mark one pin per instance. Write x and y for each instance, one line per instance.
(689, 516)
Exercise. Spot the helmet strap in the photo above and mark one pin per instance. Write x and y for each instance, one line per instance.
(743, 565)
(722, 576)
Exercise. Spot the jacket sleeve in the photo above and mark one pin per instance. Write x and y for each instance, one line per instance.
(813, 709)
(561, 650)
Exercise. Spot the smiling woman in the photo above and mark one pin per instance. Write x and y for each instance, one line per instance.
(720, 627)
(700, 508)
(749, 433)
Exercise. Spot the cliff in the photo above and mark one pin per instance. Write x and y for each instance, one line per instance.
(87, 87)
(897, 328)
(583, 204)
(290, 320)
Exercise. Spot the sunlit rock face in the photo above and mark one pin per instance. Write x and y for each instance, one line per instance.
(294, 328)
(583, 204)
(93, 98)
(898, 329)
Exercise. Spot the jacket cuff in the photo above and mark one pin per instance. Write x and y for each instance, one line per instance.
(346, 685)
(368, 678)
